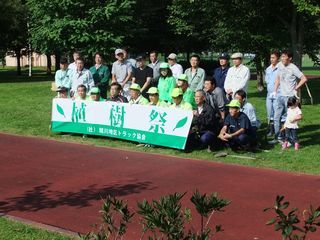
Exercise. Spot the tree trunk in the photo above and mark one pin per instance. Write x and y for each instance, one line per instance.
(49, 64)
(57, 60)
(18, 55)
(296, 32)
(259, 69)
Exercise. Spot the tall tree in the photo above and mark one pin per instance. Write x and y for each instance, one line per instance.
(60, 26)
(252, 26)
(14, 34)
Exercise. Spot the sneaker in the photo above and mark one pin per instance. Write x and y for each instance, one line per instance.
(284, 145)
(273, 141)
(209, 150)
(140, 145)
(296, 146)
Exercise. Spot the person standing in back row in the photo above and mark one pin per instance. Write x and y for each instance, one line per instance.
(175, 67)
(155, 65)
(142, 74)
(220, 72)
(122, 72)
(195, 74)
(238, 76)
(101, 75)
(287, 81)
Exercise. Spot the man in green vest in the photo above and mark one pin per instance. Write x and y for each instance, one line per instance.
(95, 95)
(135, 94)
(188, 94)
(178, 102)
(154, 98)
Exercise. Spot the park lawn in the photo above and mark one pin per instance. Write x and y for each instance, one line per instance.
(12, 230)
(25, 108)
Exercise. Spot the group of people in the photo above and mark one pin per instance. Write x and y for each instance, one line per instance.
(222, 113)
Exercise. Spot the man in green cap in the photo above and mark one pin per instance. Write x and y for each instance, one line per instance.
(237, 130)
(166, 83)
(135, 94)
(100, 74)
(154, 98)
(188, 94)
(178, 102)
(95, 95)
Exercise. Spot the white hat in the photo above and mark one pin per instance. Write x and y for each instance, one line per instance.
(172, 56)
(119, 50)
(237, 55)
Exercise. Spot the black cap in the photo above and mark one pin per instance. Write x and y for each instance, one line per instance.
(224, 56)
(62, 89)
(141, 56)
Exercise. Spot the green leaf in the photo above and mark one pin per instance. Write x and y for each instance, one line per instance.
(60, 110)
(272, 221)
(181, 123)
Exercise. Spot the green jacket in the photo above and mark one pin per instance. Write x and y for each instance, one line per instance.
(160, 104)
(188, 96)
(140, 100)
(183, 105)
(165, 87)
(100, 75)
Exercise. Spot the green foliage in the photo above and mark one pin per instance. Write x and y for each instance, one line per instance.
(160, 219)
(13, 25)
(310, 6)
(115, 215)
(164, 215)
(87, 25)
(288, 222)
(167, 217)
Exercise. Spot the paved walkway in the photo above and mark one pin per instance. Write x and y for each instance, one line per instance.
(60, 184)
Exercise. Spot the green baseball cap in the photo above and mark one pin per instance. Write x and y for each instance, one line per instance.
(164, 65)
(176, 92)
(94, 90)
(153, 90)
(183, 77)
(135, 86)
(234, 104)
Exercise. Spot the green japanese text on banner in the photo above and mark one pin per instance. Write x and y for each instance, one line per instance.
(144, 124)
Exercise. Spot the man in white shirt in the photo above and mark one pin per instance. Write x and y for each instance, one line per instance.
(81, 76)
(72, 66)
(175, 67)
(237, 77)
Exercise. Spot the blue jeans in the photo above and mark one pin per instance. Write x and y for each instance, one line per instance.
(271, 104)
(280, 113)
(291, 135)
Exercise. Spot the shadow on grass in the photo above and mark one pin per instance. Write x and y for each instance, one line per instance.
(308, 135)
(41, 197)
(11, 76)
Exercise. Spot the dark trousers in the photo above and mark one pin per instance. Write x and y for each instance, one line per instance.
(202, 139)
(243, 140)
(103, 87)
(207, 138)
(291, 135)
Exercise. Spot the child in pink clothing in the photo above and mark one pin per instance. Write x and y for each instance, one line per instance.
(294, 115)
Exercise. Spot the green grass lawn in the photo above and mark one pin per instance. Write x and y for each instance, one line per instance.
(25, 108)
(11, 230)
